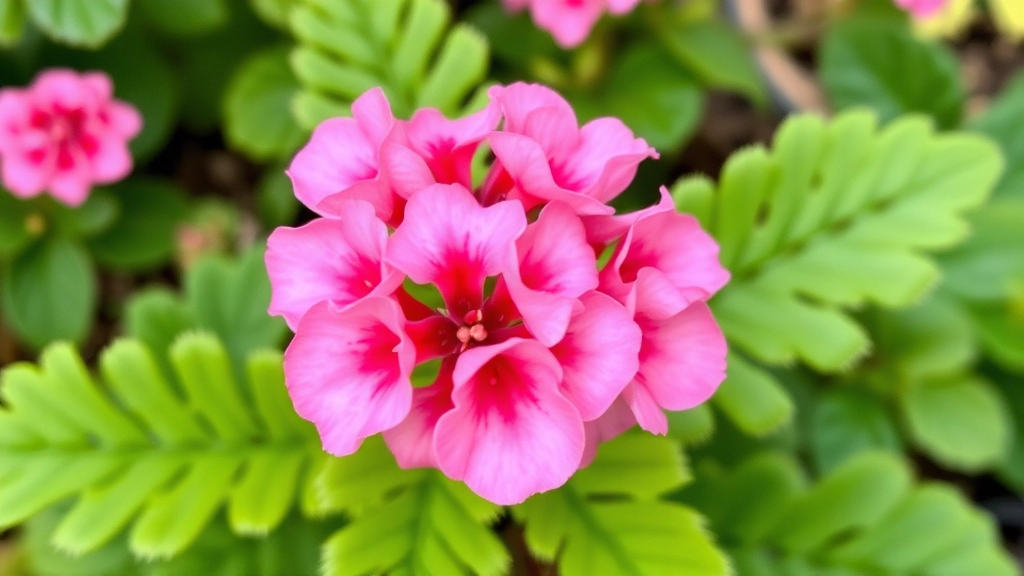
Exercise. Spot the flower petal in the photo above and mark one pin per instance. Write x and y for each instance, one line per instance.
(339, 261)
(412, 441)
(348, 371)
(599, 355)
(449, 240)
(511, 433)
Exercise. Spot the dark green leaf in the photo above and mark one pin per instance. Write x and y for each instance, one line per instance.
(143, 236)
(14, 229)
(278, 205)
(89, 219)
(846, 422)
(185, 17)
(718, 55)
(49, 292)
(1001, 123)
(866, 62)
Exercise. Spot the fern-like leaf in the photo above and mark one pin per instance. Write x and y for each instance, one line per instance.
(866, 517)
(405, 522)
(405, 46)
(608, 519)
(163, 456)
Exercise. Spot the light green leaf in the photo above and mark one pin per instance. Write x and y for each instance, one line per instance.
(959, 421)
(257, 105)
(406, 522)
(12, 21)
(985, 267)
(837, 215)
(752, 398)
(864, 62)
(49, 292)
(408, 47)
(847, 422)
(607, 519)
(140, 451)
(1001, 330)
(273, 12)
(693, 426)
(933, 338)
(143, 235)
(185, 17)
(717, 54)
(88, 24)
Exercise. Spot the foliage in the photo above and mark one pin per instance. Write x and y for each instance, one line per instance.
(408, 47)
(161, 455)
(868, 516)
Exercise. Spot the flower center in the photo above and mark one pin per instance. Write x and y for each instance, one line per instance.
(472, 329)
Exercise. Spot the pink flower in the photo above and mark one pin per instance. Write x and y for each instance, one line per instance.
(541, 354)
(543, 154)
(63, 134)
(922, 8)
(570, 21)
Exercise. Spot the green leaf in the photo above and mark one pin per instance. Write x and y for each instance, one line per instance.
(692, 427)
(94, 216)
(986, 265)
(87, 24)
(1001, 330)
(864, 62)
(933, 338)
(141, 451)
(752, 398)
(257, 107)
(14, 229)
(865, 517)
(717, 54)
(143, 235)
(847, 422)
(277, 204)
(514, 38)
(12, 22)
(408, 47)
(837, 215)
(49, 292)
(230, 299)
(1012, 469)
(185, 17)
(410, 522)
(653, 96)
(607, 520)
(998, 124)
(273, 12)
(959, 421)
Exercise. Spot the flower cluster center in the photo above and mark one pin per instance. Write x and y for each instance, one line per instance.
(472, 329)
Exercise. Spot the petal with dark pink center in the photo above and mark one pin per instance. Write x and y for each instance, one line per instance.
(335, 260)
(412, 441)
(604, 161)
(449, 240)
(599, 354)
(511, 434)
(348, 371)
(556, 266)
(604, 230)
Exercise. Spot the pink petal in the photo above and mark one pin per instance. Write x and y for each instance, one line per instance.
(339, 261)
(447, 146)
(556, 266)
(606, 159)
(123, 119)
(599, 355)
(670, 244)
(604, 230)
(616, 420)
(407, 172)
(569, 21)
(511, 433)
(645, 408)
(99, 84)
(412, 441)
(71, 184)
(373, 112)
(556, 132)
(527, 165)
(61, 90)
(519, 100)
(348, 370)
(621, 6)
(338, 155)
(111, 161)
(22, 177)
(682, 362)
(449, 240)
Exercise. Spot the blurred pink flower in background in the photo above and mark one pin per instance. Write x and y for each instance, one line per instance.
(542, 353)
(570, 21)
(922, 8)
(64, 134)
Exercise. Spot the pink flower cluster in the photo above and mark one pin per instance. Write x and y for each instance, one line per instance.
(542, 353)
(922, 8)
(63, 134)
(570, 21)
